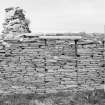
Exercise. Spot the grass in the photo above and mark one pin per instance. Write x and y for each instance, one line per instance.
(62, 98)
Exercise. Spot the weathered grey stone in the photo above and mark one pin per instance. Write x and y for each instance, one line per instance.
(38, 67)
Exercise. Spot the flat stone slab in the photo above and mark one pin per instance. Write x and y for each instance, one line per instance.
(60, 37)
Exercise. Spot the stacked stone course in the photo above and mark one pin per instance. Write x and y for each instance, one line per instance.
(49, 65)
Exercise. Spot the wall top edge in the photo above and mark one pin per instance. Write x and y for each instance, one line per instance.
(31, 37)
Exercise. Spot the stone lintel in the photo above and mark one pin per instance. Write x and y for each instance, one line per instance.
(60, 37)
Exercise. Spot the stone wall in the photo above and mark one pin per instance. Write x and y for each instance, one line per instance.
(50, 65)
(91, 64)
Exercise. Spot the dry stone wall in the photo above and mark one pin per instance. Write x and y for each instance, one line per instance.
(50, 65)
(91, 64)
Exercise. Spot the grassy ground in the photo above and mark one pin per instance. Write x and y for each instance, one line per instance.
(62, 98)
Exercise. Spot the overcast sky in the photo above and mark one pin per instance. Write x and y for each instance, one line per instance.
(61, 15)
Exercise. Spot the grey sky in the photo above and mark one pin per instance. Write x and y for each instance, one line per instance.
(61, 15)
